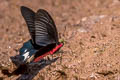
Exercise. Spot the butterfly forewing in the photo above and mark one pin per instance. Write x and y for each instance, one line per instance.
(29, 17)
(41, 27)
(51, 23)
(45, 29)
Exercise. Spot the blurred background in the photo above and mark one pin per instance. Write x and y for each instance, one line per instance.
(90, 29)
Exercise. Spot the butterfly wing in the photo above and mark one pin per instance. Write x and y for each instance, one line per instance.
(45, 29)
(41, 27)
(29, 17)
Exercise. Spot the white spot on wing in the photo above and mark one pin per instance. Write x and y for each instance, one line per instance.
(25, 50)
(26, 55)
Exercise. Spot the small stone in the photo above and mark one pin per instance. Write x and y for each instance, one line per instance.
(84, 18)
(9, 47)
(82, 30)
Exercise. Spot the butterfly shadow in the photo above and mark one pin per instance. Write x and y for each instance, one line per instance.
(33, 68)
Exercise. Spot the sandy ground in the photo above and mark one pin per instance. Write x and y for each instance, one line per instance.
(90, 29)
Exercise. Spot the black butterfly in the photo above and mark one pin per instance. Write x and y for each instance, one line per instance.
(44, 35)
(44, 39)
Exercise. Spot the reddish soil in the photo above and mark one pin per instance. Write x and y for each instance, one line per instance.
(90, 29)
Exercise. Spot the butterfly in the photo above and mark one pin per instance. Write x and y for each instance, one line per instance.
(44, 39)
(44, 35)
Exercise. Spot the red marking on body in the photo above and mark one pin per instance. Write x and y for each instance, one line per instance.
(50, 52)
